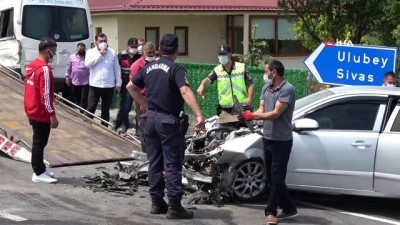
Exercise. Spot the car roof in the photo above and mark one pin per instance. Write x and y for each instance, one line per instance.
(366, 89)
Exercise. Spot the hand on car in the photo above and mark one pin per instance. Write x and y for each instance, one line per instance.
(200, 125)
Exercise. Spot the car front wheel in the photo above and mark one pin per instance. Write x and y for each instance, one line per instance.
(248, 181)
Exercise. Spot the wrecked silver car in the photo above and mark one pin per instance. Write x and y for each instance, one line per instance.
(225, 162)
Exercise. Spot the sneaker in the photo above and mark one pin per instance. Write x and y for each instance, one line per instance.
(121, 130)
(272, 220)
(43, 178)
(50, 174)
(283, 215)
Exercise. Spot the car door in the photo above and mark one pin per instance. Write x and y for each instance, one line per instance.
(387, 169)
(341, 153)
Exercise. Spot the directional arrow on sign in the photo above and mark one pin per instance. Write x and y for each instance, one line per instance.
(351, 64)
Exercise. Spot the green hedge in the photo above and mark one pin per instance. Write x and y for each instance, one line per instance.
(197, 72)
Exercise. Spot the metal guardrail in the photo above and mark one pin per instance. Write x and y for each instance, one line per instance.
(58, 97)
(61, 100)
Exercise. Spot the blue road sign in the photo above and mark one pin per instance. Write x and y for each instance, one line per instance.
(351, 64)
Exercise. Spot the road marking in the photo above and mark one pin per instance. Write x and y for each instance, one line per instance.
(12, 217)
(374, 218)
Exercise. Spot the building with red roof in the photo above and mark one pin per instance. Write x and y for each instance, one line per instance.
(201, 25)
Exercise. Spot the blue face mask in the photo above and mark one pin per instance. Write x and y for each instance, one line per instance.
(223, 59)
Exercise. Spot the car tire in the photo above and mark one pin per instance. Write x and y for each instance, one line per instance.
(247, 180)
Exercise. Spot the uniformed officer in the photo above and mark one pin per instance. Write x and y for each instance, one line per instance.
(167, 90)
(232, 79)
(126, 58)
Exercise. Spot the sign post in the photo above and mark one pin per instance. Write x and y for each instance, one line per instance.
(351, 64)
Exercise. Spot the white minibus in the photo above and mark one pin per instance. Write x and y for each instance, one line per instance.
(24, 22)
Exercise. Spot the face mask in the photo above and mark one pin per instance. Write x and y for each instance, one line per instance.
(103, 45)
(390, 85)
(140, 49)
(223, 59)
(267, 78)
(150, 58)
(52, 58)
(133, 51)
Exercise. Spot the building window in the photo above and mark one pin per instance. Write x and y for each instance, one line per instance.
(6, 23)
(98, 30)
(183, 35)
(235, 33)
(152, 34)
(279, 35)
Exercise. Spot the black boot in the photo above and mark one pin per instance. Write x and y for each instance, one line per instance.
(176, 211)
(158, 206)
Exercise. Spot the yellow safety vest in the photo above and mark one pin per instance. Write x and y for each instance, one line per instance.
(228, 84)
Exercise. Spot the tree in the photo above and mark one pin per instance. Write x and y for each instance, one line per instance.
(256, 56)
(355, 20)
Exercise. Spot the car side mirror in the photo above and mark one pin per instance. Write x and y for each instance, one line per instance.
(304, 125)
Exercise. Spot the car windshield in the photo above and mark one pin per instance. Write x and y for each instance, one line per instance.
(300, 103)
(64, 24)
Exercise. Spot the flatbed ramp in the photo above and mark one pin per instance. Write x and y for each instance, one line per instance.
(76, 141)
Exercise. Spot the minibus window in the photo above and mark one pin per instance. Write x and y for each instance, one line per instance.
(6, 23)
(64, 24)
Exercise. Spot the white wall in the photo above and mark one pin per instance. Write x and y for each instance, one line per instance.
(206, 32)
(109, 25)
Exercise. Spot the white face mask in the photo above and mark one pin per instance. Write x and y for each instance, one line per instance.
(140, 49)
(150, 58)
(223, 59)
(133, 51)
(267, 78)
(54, 56)
(103, 45)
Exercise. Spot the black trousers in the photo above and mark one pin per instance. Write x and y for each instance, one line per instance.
(165, 148)
(125, 107)
(106, 95)
(277, 155)
(80, 95)
(41, 133)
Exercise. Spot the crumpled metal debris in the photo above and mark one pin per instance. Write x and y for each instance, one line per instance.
(125, 181)
(214, 194)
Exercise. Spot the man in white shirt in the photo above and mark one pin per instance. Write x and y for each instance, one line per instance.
(105, 76)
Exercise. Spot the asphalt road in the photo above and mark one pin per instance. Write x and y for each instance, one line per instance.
(71, 202)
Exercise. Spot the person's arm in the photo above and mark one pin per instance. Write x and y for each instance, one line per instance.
(278, 110)
(188, 96)
(134, 91)
(286, 97)
(117, 74)
(92, 58)
(134, 69)
(250, 95)
(134, 87)
(68, 72)
(190, 99)
(47, 98)
(205, 82)
(250, 87)
(260, 108)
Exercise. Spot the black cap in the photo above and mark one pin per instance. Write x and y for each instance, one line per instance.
(133, 42)
(169, 43)
(224, 50)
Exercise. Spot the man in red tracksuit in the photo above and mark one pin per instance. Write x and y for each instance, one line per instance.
(39, 106)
